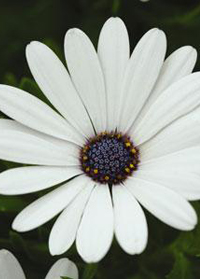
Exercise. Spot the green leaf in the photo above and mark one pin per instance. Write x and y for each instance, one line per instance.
(116, 6)
(65, 277)
(34, 250)
(189, 242)
(90, 271)
(17, 241)
(181, 269)
(10, 79)
(11, 204)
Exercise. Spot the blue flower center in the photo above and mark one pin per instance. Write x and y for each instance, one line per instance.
(109, 158)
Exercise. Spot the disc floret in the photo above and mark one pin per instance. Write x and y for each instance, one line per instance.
(109, 157)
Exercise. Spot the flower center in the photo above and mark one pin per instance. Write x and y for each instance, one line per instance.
(109, 158)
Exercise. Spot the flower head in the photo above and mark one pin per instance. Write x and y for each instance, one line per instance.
(10, 268)
(125, 134)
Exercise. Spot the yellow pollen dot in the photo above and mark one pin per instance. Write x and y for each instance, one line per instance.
(131, 166)
(128, 144)
(119, 136)
(85, 158)
(87, 169)
(133, 150)
(107, 177)
(96, 171)
(127, 170)
(85, 149)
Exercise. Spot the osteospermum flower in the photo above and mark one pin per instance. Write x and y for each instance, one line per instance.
(10, 268)
(126, 133)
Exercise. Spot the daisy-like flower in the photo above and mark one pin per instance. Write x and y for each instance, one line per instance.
(126, 132)
(11, 269)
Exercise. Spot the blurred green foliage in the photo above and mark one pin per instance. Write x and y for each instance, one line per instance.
(170, 254)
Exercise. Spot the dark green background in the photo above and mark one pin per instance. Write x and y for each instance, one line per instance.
(170, 254)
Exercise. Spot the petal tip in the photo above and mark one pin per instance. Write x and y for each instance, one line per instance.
(53, 251)
(4, 252)
(114, 19)
(33, 44)
(190, 50)
(194, 52)
(16, 226)
(73, 32)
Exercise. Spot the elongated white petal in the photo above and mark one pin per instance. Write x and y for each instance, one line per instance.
(8, 124)
(95, 232)
(141, 74)
(187, 160)
(25, 148)
(9, 266)
(32, 112)
(113, 51)
(168, 206)
(130, 222)
(54, 80)
(48, 206)
(63, 268)
(13, 126)
(86, 73)
(181, 134)
(185, 183)
(31, 179)
(178, 100)
(65, 228)
(178, 65)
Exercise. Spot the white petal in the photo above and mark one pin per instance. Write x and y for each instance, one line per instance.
(63, 267)
(178, 65)
(54, 80)
(48, 206)
(141, 74)
(31, 179)
(86, 73)
(113, 51)
(185, 183)
(182, 133)
(95, 232)
(64, 230)
(178, 100)
(32, 112)
(9, 266)
(165, 204)
(25, 148)
(130, 222)
(8, 124)
(11, 125)
(186, 160)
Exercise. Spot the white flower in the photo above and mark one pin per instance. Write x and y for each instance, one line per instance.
(11, 269)
(152, 159)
